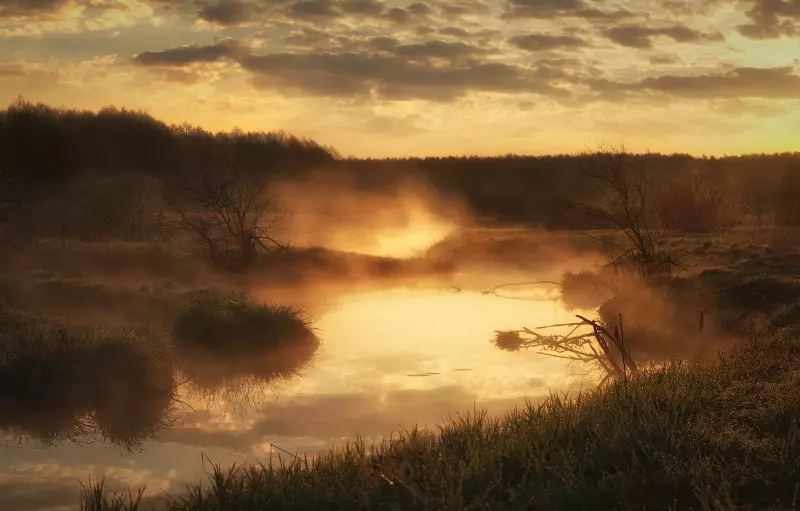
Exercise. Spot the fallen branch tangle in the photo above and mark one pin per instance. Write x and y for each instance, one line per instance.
(601, 346)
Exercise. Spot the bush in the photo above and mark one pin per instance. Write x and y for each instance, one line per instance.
(698, 205)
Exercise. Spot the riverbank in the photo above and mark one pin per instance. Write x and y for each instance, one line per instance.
(716, 434)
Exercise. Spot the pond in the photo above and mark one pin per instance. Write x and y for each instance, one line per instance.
(390, 359)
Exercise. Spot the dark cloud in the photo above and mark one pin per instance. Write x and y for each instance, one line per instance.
(771, 19)
(331, 9)
(315, 9)
(454, 32)
(186, 55)
(665, 59)
(363, 7)
(229, 12)
(30, 8)
(545, 42)
(396, 76)
(547, 9)
(744, 82)
(398, 15)
(382, 43)
(419, 9)
(439, 49)
(641, 36)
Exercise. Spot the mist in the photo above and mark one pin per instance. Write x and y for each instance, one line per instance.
(329, 209)
(154, 274)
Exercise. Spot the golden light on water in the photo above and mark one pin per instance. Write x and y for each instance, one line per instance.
(386, 340)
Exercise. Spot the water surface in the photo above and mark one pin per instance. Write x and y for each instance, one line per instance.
(390, 359)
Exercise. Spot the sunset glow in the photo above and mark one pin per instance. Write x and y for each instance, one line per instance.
(385, 78)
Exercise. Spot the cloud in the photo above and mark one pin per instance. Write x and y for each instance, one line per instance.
(363, 7)
(397, 76)
(459, 8)
(30, 8)
(318, 10)
(454, 32)
(8, 69)
(439, 49)
(548, 9)
(230, 12)
(744, 82)
(640, 36)
(545, 42)
(186, 55)
(310, 9)
(665, 59)
(770, 19)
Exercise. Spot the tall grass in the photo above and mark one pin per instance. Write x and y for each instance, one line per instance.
(723, 435)
(64, 382)
(225, 336)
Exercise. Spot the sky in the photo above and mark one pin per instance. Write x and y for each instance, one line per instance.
(379, 78)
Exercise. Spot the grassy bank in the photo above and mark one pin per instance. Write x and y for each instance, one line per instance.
(64, 382)
(721, 435)
(716, 434)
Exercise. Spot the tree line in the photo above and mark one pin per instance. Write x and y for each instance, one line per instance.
(117, 173)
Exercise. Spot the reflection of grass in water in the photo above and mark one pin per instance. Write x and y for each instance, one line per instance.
(61, 382)
(225, 337)
(706, 436)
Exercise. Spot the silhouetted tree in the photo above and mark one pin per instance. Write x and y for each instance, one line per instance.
(230, 213)
(622, 199)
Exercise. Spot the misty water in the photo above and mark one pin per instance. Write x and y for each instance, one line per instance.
(390, 359)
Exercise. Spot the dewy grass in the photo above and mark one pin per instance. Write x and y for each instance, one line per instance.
(233, 323)
(720, 435)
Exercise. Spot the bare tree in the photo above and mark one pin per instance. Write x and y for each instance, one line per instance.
(141, 206)
(622, 185)
(231, 214)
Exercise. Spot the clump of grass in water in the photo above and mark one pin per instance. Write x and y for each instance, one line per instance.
(61, 382)
(688, 436)
(224, 336)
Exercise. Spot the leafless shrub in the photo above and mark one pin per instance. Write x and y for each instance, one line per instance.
(230, 214)
(622, 200)
(698, 205)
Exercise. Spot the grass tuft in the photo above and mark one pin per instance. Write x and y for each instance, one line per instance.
(225, 336)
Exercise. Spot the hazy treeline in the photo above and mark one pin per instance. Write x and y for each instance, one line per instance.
(103, 174)
(98, 174)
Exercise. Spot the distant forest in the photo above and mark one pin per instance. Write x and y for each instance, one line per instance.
(61, 167)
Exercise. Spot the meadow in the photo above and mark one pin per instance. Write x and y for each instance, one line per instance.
(141, 259)
(717, 432)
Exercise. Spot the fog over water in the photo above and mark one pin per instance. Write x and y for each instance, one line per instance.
(394, 353)
(390, 359)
